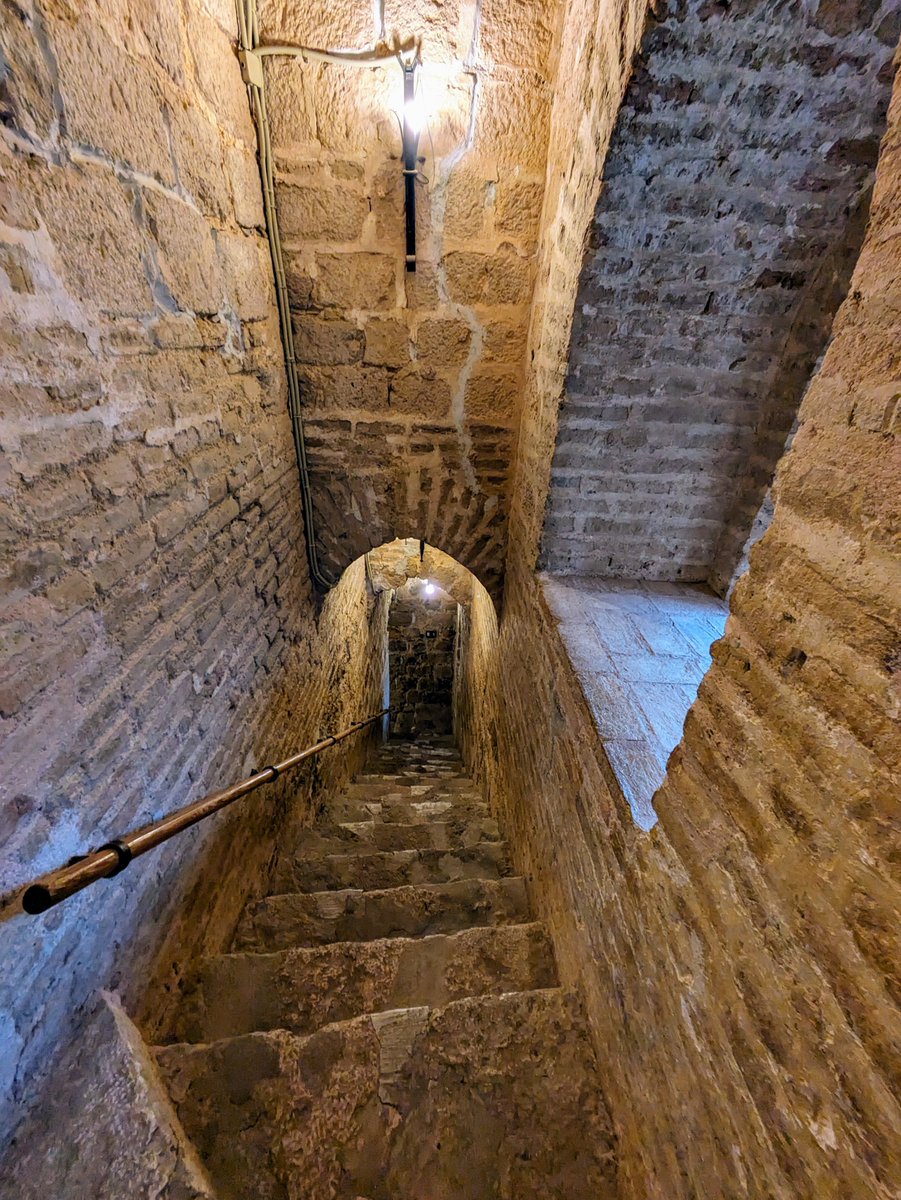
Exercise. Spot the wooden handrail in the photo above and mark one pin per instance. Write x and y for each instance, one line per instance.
(114, 856)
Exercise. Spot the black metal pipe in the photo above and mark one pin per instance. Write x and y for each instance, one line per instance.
(411, 146)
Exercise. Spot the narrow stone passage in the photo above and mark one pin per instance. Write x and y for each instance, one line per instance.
(389, 1024)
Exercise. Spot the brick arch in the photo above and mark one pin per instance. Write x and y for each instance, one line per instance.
(733, 205)
(473, 557)
(394, 563)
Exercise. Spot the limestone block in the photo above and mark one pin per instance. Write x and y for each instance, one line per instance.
(387, 199)
(186, 253)
(517, 34)
(244, 176)
(443, 341)
(421, 392)
(28, 85)
(504, 341)
(518, 208)
(218, 74)
(247, 272)
(339, 23)
(448, 30)
(327, 342)
(357, 280)
(326, 214)
(340, 388)
(110, 1129)
(493, 394)
(101, 261)
(421, 286)
(387, 343)
(474, 278)
(468, 197)
(513, 121)
(113, 102)
(291, 114)
(197, 147)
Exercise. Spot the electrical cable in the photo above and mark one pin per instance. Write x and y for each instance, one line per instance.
(248, 28)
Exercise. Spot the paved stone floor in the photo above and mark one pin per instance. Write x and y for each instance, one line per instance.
(389, 1023)
(640, 650)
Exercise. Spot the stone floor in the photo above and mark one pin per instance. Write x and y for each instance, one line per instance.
(389, 1023)
(640, 650)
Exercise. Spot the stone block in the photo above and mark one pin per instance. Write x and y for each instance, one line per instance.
(443, 341)
(420, 392)
(185, 253)
(325, 342)
(504, 341)
(518, 208)
(102, 262)
(387, 343)
(469, 196)
(28, 83)
(518, 34)
(324, 214)
(244, 177)
(247, 271)
(218, 74)
(489, 279)
(198, 150)
(356, 280)
(113, 101)
(340, 389)
(493, 395)
(513, 121)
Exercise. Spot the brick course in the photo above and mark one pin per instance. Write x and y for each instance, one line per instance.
(160, 636)
(733, 206)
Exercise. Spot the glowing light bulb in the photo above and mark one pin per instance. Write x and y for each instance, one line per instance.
(429, 588)
(416, 115)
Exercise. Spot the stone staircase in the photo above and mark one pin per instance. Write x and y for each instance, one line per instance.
(389, 1025)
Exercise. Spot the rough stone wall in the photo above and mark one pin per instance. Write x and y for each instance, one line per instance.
(597, 41)
(412, 382)
(733, 207)
(159, 632)
(740, 960)
(421, 634)
(476, 682)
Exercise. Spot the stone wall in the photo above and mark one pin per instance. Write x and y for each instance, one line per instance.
(160, 633)
(733, 206)
(412, 382)
(739, 961)
(422, 628)
(476, 685)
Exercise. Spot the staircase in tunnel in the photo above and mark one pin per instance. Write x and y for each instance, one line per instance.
(389, 1023)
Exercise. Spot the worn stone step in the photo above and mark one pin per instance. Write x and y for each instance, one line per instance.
(315, 918)
(493, 1098)
(409, 812)
(304, 989)
(420, 788)
(367, 836)
(486, 860)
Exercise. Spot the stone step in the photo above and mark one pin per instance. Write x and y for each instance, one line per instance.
(304, 989)
(408, 812)
(315, 918)
(412, 790)
(363, 837)
(494, 1098)
(486, 860)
